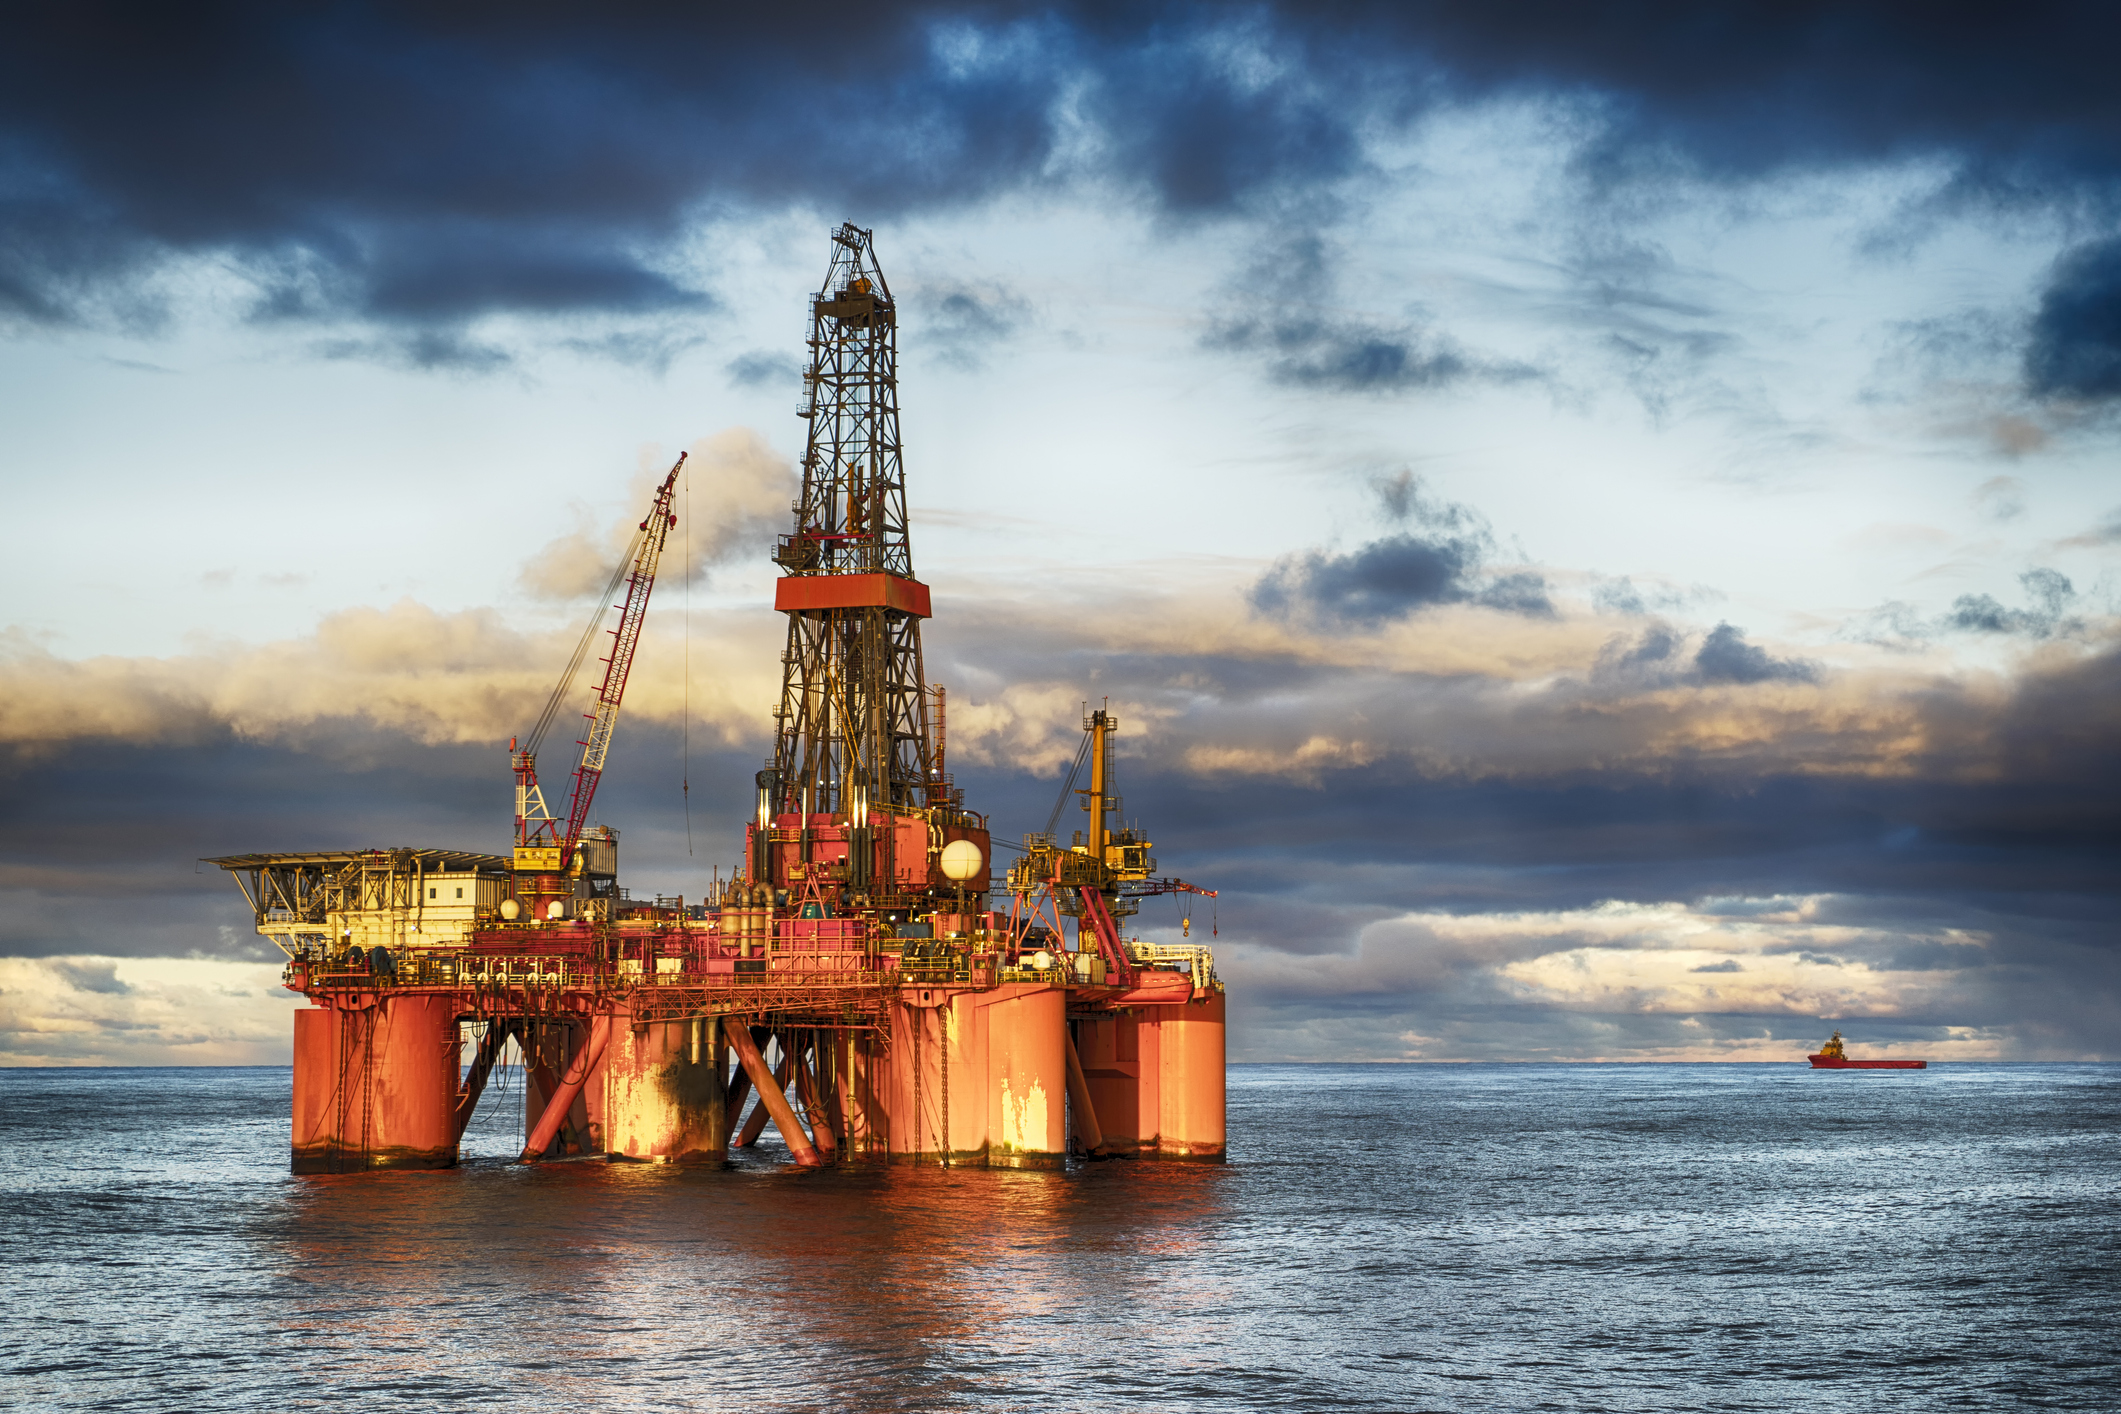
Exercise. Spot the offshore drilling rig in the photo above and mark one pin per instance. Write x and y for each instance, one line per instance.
(859, 982)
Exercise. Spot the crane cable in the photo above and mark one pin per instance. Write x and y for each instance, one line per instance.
(581, 649)
(685, 567)
(1082, 753)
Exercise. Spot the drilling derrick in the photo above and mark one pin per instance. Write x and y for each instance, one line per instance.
(852, 812)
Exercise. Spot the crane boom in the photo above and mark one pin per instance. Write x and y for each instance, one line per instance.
(596, 742)
(537, 832)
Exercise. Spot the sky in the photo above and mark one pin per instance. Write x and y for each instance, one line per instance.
(1598, 521)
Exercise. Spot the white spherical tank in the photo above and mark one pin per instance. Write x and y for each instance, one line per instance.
(511, 910)
(962, 860)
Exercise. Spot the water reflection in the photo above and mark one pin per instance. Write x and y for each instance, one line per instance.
(874, 1281)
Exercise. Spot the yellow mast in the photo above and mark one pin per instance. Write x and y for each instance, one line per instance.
(1100, 775)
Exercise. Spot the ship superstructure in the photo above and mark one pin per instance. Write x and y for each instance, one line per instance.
(858, 982)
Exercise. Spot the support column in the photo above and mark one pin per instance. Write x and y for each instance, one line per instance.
(755, 1124)
(770, 1096)
(1027, 1077)
(935, 1093)
(662, 1095)
(550, 1044)
(1121, 1068)
(376, 1088)
(1087, 1131)
(809, 1088)
(865, 1083)
(569, 1091)
(1192, 1082)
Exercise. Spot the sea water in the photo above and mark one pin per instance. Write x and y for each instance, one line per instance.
(1480, 1237)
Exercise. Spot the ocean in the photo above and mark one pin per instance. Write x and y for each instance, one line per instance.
(1475, 1237)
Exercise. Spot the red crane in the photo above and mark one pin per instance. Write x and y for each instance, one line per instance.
(535, 825)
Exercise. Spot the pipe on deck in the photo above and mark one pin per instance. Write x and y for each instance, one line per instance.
(1086, 1127)
(562, 1099)
(770, 1097)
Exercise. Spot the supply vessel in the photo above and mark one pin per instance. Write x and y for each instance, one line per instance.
(866, 981)
(1834, 1056)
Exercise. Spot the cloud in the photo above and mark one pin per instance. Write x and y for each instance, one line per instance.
(1348, 356)
(1663, 981)
(1396, 575)
(408, 670)
(420, 168)
(2075, 346)
(1725, 656)
(764, 368)
(143, 1011)
(2106, 532)
(740, 492)
(960, 323)
(2050, 591)
(2000, 498)
(1291, 319)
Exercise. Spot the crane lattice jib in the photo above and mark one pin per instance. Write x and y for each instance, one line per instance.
(596, 742)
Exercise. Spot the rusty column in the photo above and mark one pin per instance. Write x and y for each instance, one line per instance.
(1027, 1077)
(661, 1101)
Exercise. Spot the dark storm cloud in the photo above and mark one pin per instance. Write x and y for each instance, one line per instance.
(2075, 348)
(1444, 562)
(427, 164)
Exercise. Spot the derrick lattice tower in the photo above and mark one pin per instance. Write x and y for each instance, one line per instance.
(852, 727)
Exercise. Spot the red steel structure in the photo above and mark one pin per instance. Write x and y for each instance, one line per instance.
(856, 982)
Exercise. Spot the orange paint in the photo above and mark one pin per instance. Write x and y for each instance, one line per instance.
(375, 1087)
(1190, 1104)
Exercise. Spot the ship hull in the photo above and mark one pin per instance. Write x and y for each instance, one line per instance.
(1830, 1063)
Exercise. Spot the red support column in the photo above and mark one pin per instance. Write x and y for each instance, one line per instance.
(659, 1103)
(1027, 1077)
(375, 1087)
(1192, 1081)
(770, 1096)
(562, 1100)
